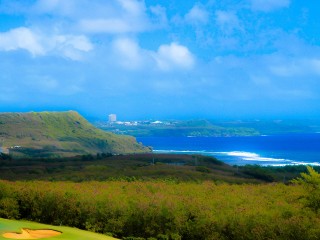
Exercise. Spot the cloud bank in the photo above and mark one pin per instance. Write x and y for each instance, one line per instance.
(37, 44)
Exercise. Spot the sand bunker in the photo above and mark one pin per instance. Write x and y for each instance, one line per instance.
(32, 234)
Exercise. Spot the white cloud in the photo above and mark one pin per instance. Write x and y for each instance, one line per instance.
(70, 46)
(39, 44)
(269, 5)
(128, 53)
(197, 14)
(133, 7)
(21, 38)
(227, 21)
(120, 16)
(73, 9)
(98, 16)
(53, 5)
(80, 43)
(174, 56)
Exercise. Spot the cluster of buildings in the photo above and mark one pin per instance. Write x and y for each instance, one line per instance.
(112, 119)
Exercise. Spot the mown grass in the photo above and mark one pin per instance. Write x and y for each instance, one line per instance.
(68, 233)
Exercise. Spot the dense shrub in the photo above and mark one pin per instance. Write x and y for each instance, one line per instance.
(9, 208)
(203, 169)
(4, 156)
(258, 173)
(165, 210)
(311, 183)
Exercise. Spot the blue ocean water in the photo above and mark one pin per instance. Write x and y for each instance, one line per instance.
(275, 150)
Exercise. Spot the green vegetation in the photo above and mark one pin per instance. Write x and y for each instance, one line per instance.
(273, 127)
(177, 167)
(165, 209)
(67, 232)
(275, 174)
(195, 128)
(149, 166)
(161, 196)
(52, 134)
(311, 184)
(4, 156)
(208, 128)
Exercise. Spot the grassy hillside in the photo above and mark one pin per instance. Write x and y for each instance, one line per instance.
(68, 233)
(48, 134)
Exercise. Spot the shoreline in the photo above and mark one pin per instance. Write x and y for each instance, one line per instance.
(247, 158)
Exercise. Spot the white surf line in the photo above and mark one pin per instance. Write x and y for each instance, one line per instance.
(245, 156)
(179, 151)
(249, 156)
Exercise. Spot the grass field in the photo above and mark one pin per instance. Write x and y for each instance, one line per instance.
(67, 232)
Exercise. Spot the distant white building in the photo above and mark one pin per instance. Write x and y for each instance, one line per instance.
(157, 122)
(112, 117)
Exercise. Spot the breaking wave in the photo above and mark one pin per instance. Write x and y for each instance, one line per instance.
(243, 158)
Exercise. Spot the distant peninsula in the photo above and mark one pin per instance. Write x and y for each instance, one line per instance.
(209, 128)
(59, 134)
(175, 128)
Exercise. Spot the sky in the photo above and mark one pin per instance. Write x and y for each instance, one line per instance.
(160, 59)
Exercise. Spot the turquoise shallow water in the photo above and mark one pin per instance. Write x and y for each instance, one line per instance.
(275, 150)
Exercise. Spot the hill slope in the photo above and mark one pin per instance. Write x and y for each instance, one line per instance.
(48, 134)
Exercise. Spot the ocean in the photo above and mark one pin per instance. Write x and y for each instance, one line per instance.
(274, 150)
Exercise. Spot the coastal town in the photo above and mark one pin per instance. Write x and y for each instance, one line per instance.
(112, 121)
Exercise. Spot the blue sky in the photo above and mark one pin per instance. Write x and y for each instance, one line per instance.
(161, 59)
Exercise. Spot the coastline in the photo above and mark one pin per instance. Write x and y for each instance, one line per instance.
(272, 150)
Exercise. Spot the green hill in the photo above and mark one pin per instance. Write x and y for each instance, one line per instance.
(51, 134)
